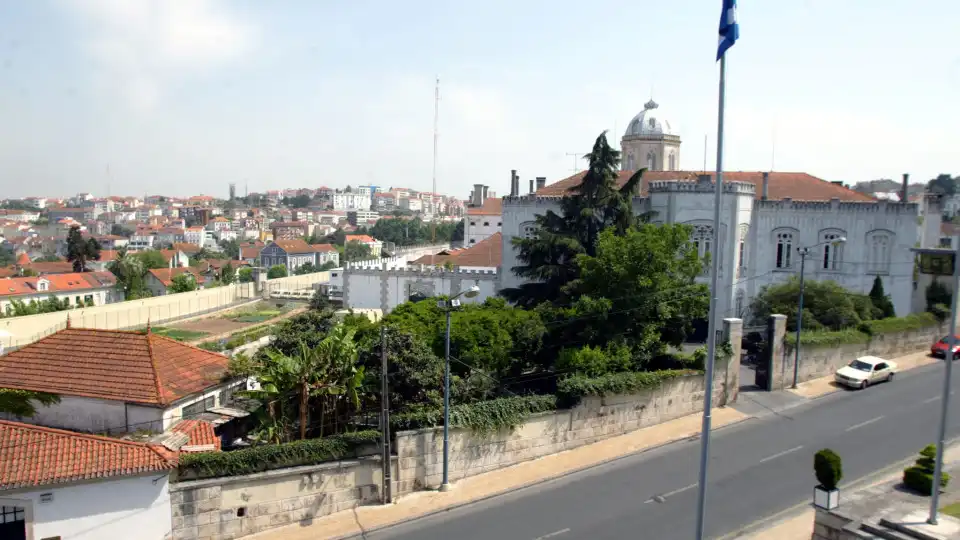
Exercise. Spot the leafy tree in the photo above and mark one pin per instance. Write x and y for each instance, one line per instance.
(245, 274)
(119, 230)
(337, 238)
(13, 204)
(182, 283)
(595, 361)
(319, 300)
(80, 250)
(826, 305)
(48, 258)
(356, 251)
(152, 259)
(944, 184)
(7, 258)
(329, 265)
(277, 271)
(308, 327)
(937, 294)
(231, 248)
(549, 257)
(21, 402)
(881, 300)
(28, 272)
(228, 275)
(406, 232)
(300, 201)
(129, 270)
(19, 308)
(307, 268)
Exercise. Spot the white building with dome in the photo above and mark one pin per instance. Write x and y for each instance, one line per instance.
(765, 218)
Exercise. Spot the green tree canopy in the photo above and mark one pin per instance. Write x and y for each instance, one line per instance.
(183, 283)
(228, 274)
(880, 299)
(23, 402)
(356, 251)
(277, 271)
(826, 305)
(80, 249)
(407, 232)
(245, 274)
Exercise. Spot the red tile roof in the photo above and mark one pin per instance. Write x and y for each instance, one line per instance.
(250, 252)
(797, 186)
(188, 249)
(166, 275)
(53, 267)
(118, 365)
(323, 248)
(487, 252)
(491, 207)
(82, 281)
(297, 245)
(107, 255)
(362, 238)
(23, 259)
(201, 433)
(37, 456)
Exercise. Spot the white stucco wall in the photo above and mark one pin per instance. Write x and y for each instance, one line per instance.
(81, 414)
(477, 228)
(126, 507)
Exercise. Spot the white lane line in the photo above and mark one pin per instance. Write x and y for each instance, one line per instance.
(780, 454)
(867, 423)
(663, 497)
(551, 535)
(931, 400)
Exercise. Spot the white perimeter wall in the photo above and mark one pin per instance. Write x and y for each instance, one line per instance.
(128, 507)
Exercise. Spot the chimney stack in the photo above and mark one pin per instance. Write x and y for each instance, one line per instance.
(541, 182)
(531, 186)
(906, 188)
(514, 183)
(766, 186)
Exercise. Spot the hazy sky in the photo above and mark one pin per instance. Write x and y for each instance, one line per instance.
(184, 96)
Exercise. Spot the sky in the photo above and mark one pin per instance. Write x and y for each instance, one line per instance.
(182, 97)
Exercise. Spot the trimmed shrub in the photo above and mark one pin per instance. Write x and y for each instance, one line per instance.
(272, 456)
(919, 477)
(482, 416)
(828, 468)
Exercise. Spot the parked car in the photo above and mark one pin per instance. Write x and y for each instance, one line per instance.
(865, 371)
(940, 348)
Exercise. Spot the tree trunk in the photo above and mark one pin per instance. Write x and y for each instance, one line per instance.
(304, 396)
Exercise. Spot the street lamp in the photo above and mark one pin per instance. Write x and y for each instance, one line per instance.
(804, 251)
(447, 306)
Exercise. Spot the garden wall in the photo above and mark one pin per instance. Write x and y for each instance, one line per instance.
(822, 360)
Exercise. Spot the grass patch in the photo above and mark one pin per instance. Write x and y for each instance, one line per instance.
(952, 509)
(176, 333)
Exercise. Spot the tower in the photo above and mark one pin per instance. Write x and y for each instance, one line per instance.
(233, 191)
(650, 141)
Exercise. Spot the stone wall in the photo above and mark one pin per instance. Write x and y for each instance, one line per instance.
(821, 361)
(593, 419)
(833, 526)
(236, 506)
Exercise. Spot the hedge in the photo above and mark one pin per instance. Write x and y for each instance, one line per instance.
(482, 416)
(863, 332)
(267, 457)
(571, 389)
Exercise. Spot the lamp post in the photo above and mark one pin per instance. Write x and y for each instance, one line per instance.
(447, 306)
(804, 251)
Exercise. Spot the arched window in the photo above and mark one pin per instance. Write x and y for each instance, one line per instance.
(631, 164)
(784, 239)
(832, 258)
(528, 229)
(651, 161)
(879, 245)
(673, 162)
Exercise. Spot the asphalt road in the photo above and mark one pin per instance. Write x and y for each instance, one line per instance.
(757, 468)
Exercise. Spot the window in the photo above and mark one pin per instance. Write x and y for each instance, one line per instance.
(832, 252)
(673, 162)
(473, 223)
(42, 284)
(631, 164)
(473, 240)
(651, 161)
(499, 224)
(528, 229)
(702, 239)
(879, 244)
(195, 409)
(653, 123)
(784, 250)
(11, 514)
(486, 223)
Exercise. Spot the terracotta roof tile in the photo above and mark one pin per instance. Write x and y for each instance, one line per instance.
(491, 207)
(362, 238)
(82, 281)
(53, 267)
(36, 456)
(487, 252)
(188, 249)
(166, 275)
(323, 248)
(798, 186)
(297, 245)
(117, 365)
(250, 252)
(201, 433)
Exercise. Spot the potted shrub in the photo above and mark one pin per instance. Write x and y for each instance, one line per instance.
(919, 477)
(829, 471)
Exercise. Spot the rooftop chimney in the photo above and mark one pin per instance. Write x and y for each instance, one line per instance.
(531, 186)
(766, 186)
(514, 183)
(541, 182)
(479, 195)
(906, 188)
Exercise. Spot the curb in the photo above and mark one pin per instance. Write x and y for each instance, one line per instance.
(885, 474)
(534, 483)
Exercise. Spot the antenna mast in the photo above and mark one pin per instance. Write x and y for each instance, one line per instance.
(436, 136)
(575, 157)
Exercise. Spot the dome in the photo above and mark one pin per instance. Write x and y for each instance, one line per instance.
(650, 122)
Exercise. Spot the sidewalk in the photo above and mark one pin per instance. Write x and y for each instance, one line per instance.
(825, 385)
(364, 518)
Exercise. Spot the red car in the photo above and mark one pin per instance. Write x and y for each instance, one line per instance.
(941, 347)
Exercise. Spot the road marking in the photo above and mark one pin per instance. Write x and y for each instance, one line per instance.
(551, 535)
(663, 497)
(867, 423)
(931, 400)
(775, 456)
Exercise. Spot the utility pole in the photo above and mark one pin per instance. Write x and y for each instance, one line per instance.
(385, 461)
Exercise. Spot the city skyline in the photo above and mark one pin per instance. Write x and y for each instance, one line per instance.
(158, 97)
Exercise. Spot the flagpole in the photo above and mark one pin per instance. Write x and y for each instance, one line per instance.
(712, 322)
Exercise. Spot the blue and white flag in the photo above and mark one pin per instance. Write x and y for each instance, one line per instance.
(729, 29)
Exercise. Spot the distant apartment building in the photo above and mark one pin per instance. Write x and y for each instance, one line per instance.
(352, 200)
(76, 214)
(384, 202)
(193, 235)
(362, 217)
(289, 230)
(412, 205)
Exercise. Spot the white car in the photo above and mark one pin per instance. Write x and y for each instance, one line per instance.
(865, 371)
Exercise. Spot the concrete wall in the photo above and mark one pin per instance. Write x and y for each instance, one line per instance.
(821, 361)
(210, 509)
(130, 507)
(386, 289)
(833, 526)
